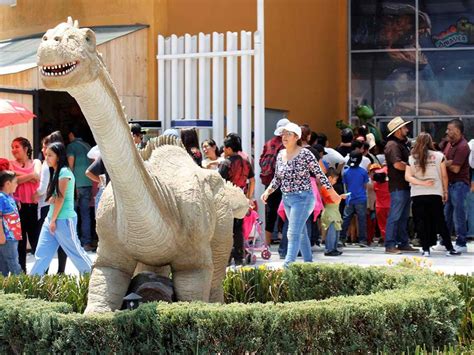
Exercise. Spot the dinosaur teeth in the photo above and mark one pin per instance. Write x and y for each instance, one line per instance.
(58, 69)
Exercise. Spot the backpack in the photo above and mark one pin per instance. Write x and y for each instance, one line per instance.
(268, 162)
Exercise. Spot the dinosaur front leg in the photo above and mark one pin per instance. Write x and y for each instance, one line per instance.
(221, 245)
(110, 277)
(193, 284)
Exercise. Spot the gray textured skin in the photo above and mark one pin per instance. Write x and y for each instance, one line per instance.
(164, 211)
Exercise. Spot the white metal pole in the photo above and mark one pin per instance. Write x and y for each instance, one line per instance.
(231, 91)
(161, 81)
(167, 86)
(180, 81)
(194, 84)
(203, 87)
(174, 80)
(187, 78)
(216, 122)
(245, 93)
(221, 92)
(259, 107)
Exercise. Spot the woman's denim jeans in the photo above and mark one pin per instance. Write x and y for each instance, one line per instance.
(454, 211)
(298, 207)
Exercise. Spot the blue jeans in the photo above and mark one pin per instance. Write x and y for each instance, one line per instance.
(454, 211)
(9, 258)
(332, 238)
(64, 236)
(396, 232)
(83, 202)
(298, 207)
(283, 246)
(360, 209)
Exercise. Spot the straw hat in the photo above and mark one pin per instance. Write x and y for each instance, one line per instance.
(395, 124)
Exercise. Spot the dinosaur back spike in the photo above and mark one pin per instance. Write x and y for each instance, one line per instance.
(154, 143)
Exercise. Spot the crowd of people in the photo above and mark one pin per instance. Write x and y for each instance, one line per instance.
(361, 191)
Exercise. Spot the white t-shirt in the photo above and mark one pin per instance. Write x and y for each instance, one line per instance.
(471, 156)
(432, 172)
(333, 157)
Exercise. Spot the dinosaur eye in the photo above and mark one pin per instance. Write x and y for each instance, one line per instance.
(88, 39)
(45, 38)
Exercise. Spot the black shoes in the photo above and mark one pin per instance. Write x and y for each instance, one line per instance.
(333, 253)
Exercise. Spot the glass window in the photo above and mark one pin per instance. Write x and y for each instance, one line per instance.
(384, 82)
(447, 23)
(446, 83)
(377, 24)
(437, 129)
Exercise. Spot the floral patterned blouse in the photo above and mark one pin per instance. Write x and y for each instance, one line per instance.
(294, 175)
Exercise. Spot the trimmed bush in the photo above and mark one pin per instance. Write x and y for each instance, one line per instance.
(396, 309)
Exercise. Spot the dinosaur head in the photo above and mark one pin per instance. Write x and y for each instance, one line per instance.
(67, 56)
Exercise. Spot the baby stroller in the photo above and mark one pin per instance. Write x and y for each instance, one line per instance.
(253, 238)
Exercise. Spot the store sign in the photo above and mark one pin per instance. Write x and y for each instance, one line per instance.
(461, 33)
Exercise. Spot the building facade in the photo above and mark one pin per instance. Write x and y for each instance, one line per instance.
(305, 44)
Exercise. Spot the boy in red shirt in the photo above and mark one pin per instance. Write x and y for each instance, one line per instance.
(382, 200)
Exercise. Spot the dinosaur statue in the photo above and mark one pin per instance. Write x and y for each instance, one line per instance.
(162, 211)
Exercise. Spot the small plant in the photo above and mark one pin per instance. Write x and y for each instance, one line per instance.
(56, 288)
(255, 284)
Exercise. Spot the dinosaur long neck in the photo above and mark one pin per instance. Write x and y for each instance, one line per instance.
(137, 196)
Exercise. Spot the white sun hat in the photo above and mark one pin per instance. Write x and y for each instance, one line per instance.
(281, 123)
(290, 127)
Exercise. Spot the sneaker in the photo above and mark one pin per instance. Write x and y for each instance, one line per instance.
(408, 249)
(363, 245)
(439, 247)
(333, 253)
(453, 253)
(460, 248)
(392, 251)
(316, 247)
(426, 254)
(282, 257)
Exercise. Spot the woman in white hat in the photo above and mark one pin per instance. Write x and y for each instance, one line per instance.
(292, 175)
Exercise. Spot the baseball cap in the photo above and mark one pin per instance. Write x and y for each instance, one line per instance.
(282, 122)
(171, 132)
(290, 127)
(355, 158)
(136, 129)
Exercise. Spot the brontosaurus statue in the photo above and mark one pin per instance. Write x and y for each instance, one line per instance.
(160, 211)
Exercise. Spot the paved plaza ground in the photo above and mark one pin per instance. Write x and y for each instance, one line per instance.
(353, 255)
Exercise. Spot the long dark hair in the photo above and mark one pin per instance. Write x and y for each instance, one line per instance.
(190, 139)
(420, 149)
(25, 143)
(53, 187)
(56, 136)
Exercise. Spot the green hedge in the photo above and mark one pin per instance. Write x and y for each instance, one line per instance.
(396, 309)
